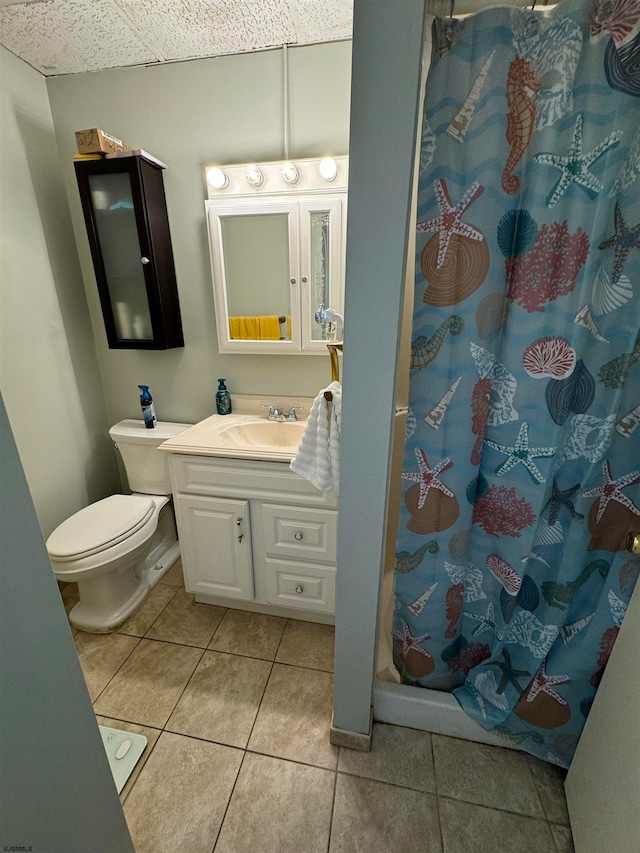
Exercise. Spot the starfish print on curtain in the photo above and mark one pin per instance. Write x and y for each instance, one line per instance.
(623, 241)
(610, 490)
(563, 498)
(575, 166)
(448, 223)
(427, 477)
(509, 674)
(521, 454)
(543, 682)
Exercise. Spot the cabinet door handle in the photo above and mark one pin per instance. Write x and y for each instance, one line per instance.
(297, 536)
(145, 261)
(241, 537)
(299, 589)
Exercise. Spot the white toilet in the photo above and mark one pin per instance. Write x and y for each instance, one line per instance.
(118, 548)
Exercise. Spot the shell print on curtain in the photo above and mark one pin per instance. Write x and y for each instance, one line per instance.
(521, 473)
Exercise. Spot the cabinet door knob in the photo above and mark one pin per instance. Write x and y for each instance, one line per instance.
(299, 590)
(304, 279)
(241, 537)
(292, 280)
(238, 521)
(145, 260)
(297, 536)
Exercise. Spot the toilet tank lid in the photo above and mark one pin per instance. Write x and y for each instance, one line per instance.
(135, 431)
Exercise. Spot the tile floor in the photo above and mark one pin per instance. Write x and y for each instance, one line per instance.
(236, 708)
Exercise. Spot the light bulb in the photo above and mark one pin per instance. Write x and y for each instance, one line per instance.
(328, 169)
(290, 173)
(254, 176)
(218, 179)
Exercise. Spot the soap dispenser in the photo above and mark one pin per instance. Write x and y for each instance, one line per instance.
(223, 399)
(146, 402)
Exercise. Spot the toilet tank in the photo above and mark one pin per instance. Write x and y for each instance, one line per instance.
(147, 469)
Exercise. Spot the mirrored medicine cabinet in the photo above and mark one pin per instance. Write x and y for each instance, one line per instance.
(277, 244)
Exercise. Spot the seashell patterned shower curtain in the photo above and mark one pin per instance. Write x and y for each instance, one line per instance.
(521, 473)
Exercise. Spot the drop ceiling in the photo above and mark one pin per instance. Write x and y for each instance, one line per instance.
(72, 36)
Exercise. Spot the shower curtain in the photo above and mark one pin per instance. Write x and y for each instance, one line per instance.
(521, 472)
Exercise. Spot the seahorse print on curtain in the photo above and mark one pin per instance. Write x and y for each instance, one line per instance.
(521, 475)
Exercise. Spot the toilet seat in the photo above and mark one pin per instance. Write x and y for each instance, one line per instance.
(99, 526)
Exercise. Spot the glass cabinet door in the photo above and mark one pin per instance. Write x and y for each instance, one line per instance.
(321, 264)
(125, 214)
(122, 257)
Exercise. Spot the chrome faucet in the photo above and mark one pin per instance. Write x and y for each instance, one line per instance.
(276, 414)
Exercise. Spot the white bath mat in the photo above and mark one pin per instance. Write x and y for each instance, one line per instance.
(123, 751)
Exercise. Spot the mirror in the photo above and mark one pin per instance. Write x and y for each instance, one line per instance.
(277, 255)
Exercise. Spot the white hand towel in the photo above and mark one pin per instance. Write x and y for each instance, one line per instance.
(318, 457)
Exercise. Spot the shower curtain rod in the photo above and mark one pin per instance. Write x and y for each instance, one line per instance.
(455, 8)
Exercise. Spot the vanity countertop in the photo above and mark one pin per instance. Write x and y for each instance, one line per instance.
(239, 436)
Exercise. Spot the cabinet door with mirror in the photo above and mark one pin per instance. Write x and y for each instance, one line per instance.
(277, 258)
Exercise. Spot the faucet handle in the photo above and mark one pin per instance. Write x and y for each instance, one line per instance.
(292, 413)
(272, 410)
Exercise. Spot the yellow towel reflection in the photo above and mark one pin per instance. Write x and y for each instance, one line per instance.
(266, 328)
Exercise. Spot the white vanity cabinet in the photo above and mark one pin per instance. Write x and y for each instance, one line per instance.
(255, 536)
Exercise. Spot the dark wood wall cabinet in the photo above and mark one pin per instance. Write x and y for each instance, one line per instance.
(126, 217)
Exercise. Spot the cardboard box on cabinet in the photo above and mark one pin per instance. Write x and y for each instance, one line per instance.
(96, 141)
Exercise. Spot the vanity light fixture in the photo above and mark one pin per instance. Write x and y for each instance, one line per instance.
(217, 179)
(254, 176)
(328, 169)
(290, 173)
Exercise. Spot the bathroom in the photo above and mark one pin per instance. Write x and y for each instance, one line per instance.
(58, 375)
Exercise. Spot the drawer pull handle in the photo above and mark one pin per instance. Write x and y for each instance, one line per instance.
(297, 536)
(299, 589)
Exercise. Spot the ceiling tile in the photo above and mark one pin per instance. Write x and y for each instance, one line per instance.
(324, 20)
(67, 36)
(189, 28)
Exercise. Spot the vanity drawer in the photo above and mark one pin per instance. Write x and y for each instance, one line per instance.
(301, 585)
(296, 532)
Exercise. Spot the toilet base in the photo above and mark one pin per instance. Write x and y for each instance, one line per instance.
(108, 600)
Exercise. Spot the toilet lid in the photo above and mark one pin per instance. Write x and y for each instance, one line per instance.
(99, 526)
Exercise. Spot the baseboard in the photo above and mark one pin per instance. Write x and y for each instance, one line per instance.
(359, 741)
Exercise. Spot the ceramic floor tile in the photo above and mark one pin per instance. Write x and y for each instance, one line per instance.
(255, 635)
(278, 807)
(487, 775)
(174, 577)
(549, 782)
(307, 644)
(467, 828)
(158, 598)
(148, 686)
(222, 699)
(398, 755)
(563, 838)
(373, 817)
(295, 717)
(179, 800)
(151, 735)
(185, 621)
(101, 656)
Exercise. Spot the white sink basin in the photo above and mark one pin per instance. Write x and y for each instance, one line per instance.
(283, 435)
(240, 436)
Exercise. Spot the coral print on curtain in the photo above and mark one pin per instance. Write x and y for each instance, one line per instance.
(521, 474)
